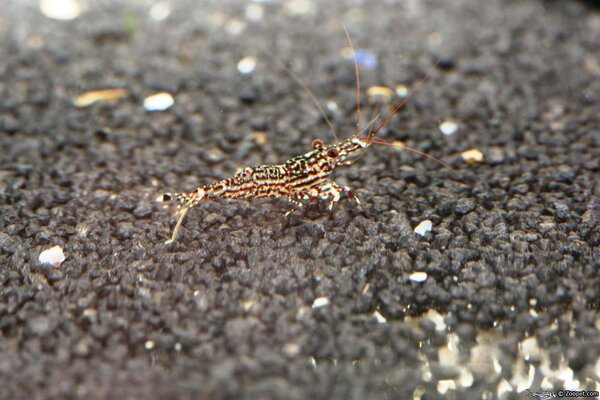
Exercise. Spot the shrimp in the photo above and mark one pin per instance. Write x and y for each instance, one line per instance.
(304, 177)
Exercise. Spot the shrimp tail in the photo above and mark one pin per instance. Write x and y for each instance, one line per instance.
(184, 202)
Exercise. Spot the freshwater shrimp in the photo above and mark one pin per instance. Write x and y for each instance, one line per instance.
(304, 177)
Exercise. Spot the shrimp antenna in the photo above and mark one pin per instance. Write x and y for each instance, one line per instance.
(310, 94)
(357, 74)
(376, 140)
(405, 100)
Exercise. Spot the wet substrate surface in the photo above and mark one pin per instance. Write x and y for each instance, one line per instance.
(249, 304)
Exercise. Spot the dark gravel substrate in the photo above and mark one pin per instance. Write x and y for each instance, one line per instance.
(511, 295)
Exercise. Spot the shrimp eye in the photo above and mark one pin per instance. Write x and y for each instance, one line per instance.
(164, 198)
(332, 153)
(317, 143)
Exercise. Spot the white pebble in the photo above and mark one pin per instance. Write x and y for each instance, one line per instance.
(254, 12)
(423, 227)
(332, 106)
(448, 127)
(379, 94)
(444, 385)
(291, 349)
(419, 276)
(234, 27)
(247, 305)
(158, 102)
(298, 7)
(472, 156)
(149, 345)
(533, 302)
(380, 318)
(63, 10)
(320, 302)
(402, 91)
(466, 378)
(246, 65)
(53, 256)
(160, 11)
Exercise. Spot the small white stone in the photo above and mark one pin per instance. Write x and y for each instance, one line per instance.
(533, 302)
(234, 27)
(418, 276)
(466, 378)
(54, 256)
(298, 7)
(380, 318)
(177, 347)
(423, 227)
(332, 106)
(448, 127)
(63, 10)
(379, 94)
(444, 385)
(402, 91)
(149, 345)
(90, 314)
(158, 102)
(472, 156)
(291, 349)
(246, 65)
(320, 302)
(247, 305)
(254, 12)
(160, 11)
